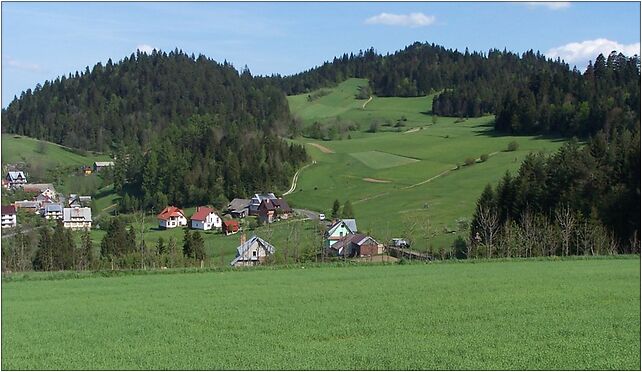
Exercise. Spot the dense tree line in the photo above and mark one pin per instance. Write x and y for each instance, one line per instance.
(134, 100)
(580, 200)
(204, 162)
(528, 93)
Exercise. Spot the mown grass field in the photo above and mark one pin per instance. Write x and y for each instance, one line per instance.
(557, 315)
(24, 149)
(404, 183)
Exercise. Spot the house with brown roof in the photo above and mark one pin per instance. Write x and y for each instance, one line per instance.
(272, 209)
(230, 227)
(357, 245)
(9, 218)
(205, 218)
(171, 217)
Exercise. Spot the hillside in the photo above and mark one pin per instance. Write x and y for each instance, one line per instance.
(403, 180)
(557, 315)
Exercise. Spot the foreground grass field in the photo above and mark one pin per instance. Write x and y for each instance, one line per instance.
(404, 183)
(558, 315)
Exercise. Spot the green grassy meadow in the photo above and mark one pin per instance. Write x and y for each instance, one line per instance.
(404, 183)
(552, 315)
(24, 149)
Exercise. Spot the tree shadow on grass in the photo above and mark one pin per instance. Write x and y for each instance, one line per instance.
(490, 131)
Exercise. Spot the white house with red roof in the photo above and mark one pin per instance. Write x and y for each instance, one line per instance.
(171, 217)
(206, 218)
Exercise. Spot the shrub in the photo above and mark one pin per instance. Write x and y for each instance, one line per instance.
(483, 157)
(512, 146)
(469, 161)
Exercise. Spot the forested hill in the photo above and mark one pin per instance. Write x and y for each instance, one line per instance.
(137, 98)
(529, 93)
(187, 130)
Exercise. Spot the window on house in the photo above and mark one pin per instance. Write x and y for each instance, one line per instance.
(253, 253)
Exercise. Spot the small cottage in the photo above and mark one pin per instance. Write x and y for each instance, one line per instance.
(16, 178)
(230, 227)
(239, 208)
(205, 219)
(171, 217)
(252, 252)
(9, 218)
(357, 245)
(100, 165)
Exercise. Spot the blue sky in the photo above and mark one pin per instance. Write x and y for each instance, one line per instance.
(41, 41)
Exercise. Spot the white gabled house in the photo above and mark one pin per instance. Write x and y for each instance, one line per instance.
(16, 178)
(338, 230)
(252, 252)
(171, 217)
(206, 218)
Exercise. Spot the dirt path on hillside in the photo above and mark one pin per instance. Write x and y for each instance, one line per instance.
(374, 180)
(365, 103)
(323, 149)
(296, 178)
(413, 130)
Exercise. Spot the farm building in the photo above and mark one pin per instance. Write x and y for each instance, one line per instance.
(86, 170)
(171, 217)
(77, 218)
(47, 189)
(100, 165)
(357, 245)
(230, 227)
(15, 178)
(52, 211)
(239, 208)
(271, 209)
(9, 218)
(338, 230)
(205, 219)
(252, 252)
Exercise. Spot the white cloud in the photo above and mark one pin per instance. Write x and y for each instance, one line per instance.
(406, 20)
(552, 5)
(20, 65)
(580, 53)
(145, 48)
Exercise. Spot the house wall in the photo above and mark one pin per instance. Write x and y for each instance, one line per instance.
(9, 220)
(339, 232)
(77, 225)
(201, 225)
(369, 249)
(247, 259)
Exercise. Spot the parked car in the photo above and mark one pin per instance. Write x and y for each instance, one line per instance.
(321, 216)
(400, 243)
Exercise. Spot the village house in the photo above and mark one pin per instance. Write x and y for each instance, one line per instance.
(205, 218)
(256, 200)
(52, 211)
(283, 210)
(15, 178)
(238, 208)
(47, 189)
(100, 165)
(9, 218)
(270, 210)
(357, 245)
(77, 218)
(171, 217)
(28, 205)
(86, 170)
(76, 201)
(43, 199)
(252, 252)
(338, 230)
(230, 227)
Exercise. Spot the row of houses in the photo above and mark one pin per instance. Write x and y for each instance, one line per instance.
(205, 218)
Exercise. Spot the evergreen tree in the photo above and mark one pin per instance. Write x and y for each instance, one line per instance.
(347, 210)
(336, 206)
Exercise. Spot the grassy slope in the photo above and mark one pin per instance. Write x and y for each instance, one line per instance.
(386, 209)
(511, 315)
(23, 149)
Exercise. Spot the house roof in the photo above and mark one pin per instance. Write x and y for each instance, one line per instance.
(241, 249)
(8, 209)
(267, 204)
(16, 175)
(38, 187)
(169, 212)
(53, 208)
(231, 223)
(281, 204)
(104, 163)
(237, 205)
(26, 204)
(77, 214)
(202, 213)
(350, 224)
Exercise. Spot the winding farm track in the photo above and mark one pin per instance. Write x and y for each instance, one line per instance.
(365, 103)
(323, 149)
(296, 178)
